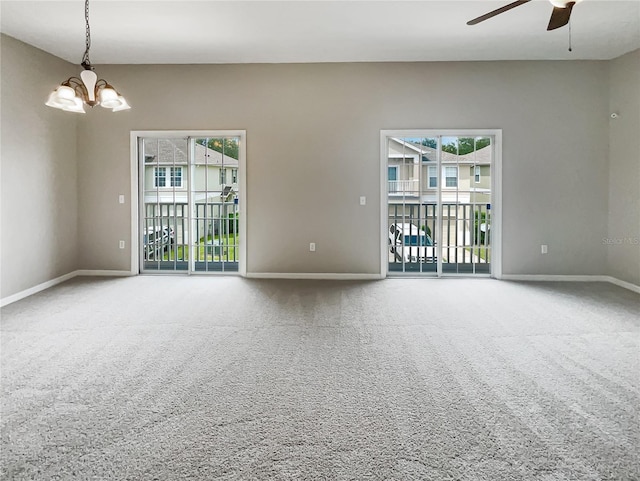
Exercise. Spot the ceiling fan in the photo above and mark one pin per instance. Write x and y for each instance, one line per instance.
(559, 16)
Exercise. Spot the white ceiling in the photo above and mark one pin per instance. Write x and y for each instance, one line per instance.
(270, 31)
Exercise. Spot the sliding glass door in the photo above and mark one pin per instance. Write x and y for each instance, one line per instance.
(439, 202)
(189, 203)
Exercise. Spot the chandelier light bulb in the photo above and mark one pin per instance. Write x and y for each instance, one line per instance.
(562, 3)
(62, 97)
(109, 98)
(123, 104)
(65, 93)
(77, 106)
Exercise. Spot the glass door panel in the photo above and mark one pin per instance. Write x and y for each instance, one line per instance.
(164, 201)
(215, 204)
(465, 170)
(411, 226)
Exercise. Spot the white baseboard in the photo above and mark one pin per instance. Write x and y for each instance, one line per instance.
(105, 273)
(317, 276)
(570, 278)
(59, 280)
(334, 276)
(552, 278)
(625, 284)
(35, 289)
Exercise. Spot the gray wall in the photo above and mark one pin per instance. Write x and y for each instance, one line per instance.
(623, 239)
(38, 168)
(313, 149)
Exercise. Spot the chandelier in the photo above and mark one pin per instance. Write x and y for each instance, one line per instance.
(74, 92)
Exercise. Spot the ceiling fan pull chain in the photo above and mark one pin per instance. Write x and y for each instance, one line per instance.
(570, 49)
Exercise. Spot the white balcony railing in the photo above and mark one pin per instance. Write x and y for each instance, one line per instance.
(408, 187)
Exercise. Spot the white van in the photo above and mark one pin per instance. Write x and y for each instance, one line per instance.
(411, 244)
(157, 241)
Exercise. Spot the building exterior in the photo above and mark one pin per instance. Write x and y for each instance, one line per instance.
(166, 178)
(412, 173)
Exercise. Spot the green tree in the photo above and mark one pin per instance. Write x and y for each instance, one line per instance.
(233, 223)
(465, 145)
(430, 143)
(226, 146)
(479, 235)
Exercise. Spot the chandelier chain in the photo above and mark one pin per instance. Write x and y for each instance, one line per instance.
(86, 63)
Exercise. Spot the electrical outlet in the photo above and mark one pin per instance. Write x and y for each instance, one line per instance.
(121, 244)
(544, 248)
(312, 247)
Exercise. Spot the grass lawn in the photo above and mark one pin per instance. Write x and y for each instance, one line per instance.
(483, 253)
(207, 250)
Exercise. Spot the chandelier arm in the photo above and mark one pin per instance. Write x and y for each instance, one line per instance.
(100, 84)
(74, 82)
(78, 87)
(81, 92)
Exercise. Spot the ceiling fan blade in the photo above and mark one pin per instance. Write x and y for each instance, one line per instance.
(498, 11)
(560, 16)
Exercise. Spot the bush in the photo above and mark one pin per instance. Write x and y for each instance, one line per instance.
(478, 235)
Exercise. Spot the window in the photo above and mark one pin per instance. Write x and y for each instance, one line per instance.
(414, 240)
(175, 177)
(433, 177)
(223, 176)
(477, 174)
(450, 176)
(392, 177)
(160, 177)
(234, 176)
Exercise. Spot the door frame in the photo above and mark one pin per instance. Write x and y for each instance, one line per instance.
(135, 193)
(496, 192)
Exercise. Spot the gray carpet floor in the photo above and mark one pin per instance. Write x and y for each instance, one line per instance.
(167, 378)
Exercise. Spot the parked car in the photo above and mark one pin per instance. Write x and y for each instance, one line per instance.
(411, 244)
(157, 240)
